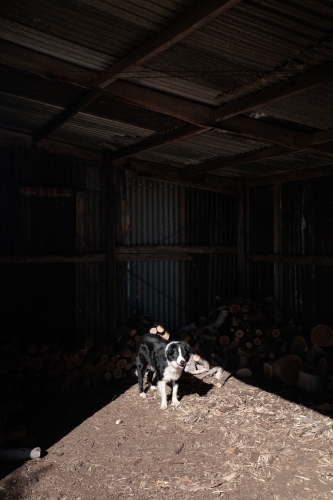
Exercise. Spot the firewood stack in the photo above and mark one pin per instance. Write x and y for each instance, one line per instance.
(243, 338)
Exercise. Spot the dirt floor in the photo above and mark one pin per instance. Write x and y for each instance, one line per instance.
(237, 442)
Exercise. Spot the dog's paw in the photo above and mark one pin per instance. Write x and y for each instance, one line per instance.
(164, 406)
(153, 388)
(175, 402)
(143, 395)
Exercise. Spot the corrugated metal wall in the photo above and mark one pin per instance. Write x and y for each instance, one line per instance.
(211, 219)
(46, 300)
(307, 229)
(36, 299)
(151, 216)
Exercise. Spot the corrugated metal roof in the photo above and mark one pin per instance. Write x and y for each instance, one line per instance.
(312, 108)
(252, 46)
(202, 147)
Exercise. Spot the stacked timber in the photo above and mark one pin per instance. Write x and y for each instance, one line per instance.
(244, 338)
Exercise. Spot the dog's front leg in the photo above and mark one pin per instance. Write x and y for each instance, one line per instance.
(175, 401)
(162, 390)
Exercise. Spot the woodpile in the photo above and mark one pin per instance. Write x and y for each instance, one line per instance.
(244, 338)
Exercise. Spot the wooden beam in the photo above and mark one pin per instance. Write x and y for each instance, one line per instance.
(322, 136)
(300, 83)
(151, 170)
(110, 228)
(52, 259)
(46, 191)
(181, 28)
(172, 174)
(198, 114)
(291, 176)
(122, 253)
(43, 65)
(191, 21)
(233, 161)
(11, 138)
(293, 259)
(156, 141)
(174, 249)
(65, 115)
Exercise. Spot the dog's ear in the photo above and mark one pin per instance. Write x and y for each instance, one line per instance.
(187, 347)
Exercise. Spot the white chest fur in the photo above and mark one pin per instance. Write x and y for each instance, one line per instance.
(172, 373)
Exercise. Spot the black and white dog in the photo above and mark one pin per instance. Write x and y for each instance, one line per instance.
(166, 359)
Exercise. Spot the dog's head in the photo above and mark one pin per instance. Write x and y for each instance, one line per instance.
(178, 353)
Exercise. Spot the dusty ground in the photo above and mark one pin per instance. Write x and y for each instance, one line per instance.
(237, 442)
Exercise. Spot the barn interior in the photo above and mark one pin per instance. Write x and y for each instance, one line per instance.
(159, 161)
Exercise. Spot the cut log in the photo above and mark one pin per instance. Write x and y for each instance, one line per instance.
(201, 361)
(245, 308)
(234, 308)
(99, 368)
(117, 373)
(322, 335)
(258, 332)
(309, 382)
(165, 335)
(82, 353)
(153, 330)
(88, 369)
(222, 376)
(44, 348)
(31, 349)
(285, 346)
(59, 367)
(133, 332)
(236, 321)
(268, 370)
(239, 334)
(299, 345)
(88, 344)
(224, 340)
(243, 369)
(19, 453)
(121, 364)
(108, 375)
(206, 373)
(110, 366)
(105, 357)
(275, 333)
(127, 353)
(76, 373)
(287, 369)
(130, 344)
(160, 329)
(36, 363)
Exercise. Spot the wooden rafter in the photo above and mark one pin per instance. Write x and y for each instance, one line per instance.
(301, 83)
(233, 161)
(195, 19)
(150, 170)
(173, 135)
(201, 116)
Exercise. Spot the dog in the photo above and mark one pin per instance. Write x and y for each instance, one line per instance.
(166, 359)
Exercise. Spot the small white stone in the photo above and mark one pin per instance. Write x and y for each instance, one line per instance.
(118, 422)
